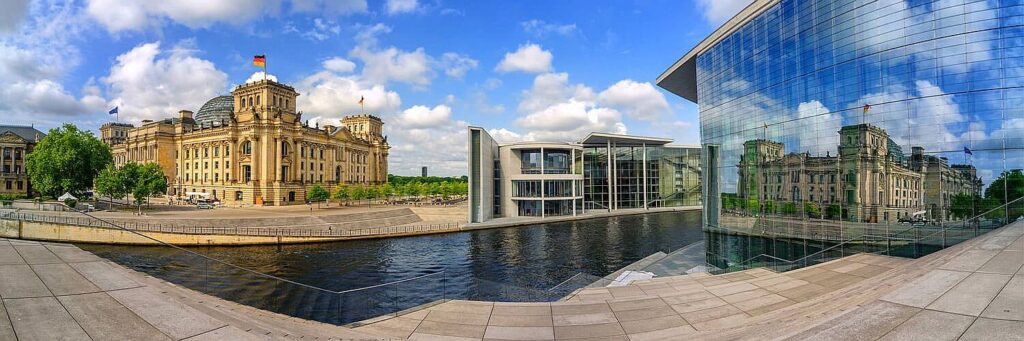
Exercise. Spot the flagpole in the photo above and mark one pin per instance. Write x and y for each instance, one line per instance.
(264, 68)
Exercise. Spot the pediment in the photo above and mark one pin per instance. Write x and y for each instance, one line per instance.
(9, 137)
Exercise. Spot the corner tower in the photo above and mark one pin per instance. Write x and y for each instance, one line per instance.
(263, 100)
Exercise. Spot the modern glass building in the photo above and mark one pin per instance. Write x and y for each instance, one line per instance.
(551, 179)
(838, 126)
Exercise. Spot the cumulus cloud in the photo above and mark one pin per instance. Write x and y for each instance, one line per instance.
(503, 135)
(553, 109)
(339, 65)
(12, 13)
(148, 82)
(824, 138)
(456, 65)
(720, 11)
(129, 15)
(393, 7)
(637, 100)
(258, 76)
(425, 136)
(420, 116)
(552, 88)
(382, 65)
(541, 29)
(331, 95)
(34, 57)
(529, 58)
(332, 7)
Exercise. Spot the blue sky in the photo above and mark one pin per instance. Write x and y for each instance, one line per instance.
(541, 70)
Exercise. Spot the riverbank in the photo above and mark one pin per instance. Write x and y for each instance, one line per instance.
(57, 291)
(520, 221)
(279, 227)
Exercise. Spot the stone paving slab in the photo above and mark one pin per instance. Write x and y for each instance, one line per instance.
(9, 256)
(103, 318)
(37, 254)
(170, 317)
(42, 318)
(104, 275)
(1009, 304)
(71, 254)
(985, 329)
(6, 329)
(931, 325)
(19, 281)
(926, 289)
(61, 279)
(972, 295)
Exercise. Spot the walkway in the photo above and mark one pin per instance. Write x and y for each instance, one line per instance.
(974, 290)
(57, 291)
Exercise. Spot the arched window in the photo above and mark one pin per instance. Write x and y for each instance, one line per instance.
(247, 148)
(284, 148)
(257, 99)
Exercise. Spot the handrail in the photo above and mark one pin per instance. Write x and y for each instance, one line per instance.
(239, 267)
(943, 229)
(565, 281)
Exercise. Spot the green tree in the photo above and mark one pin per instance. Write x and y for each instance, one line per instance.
(66, 160)
(341, 192)
(149, 181)
(964, 206)
(110, 183)
(1009, 186)
(812, 210)
(317, 193)
(833, 211)
(789, 208)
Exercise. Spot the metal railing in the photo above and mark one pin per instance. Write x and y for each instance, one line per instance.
(910, 237)
(190, 268)
(327, 232)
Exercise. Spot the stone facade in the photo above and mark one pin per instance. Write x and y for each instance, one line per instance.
(870, 178)
(15, 143)
(253, 148)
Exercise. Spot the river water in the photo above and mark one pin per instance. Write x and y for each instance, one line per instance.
(506, 264)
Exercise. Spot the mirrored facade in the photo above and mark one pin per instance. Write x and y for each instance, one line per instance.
(847, 126)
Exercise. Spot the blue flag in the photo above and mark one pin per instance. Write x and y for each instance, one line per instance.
(112, 111)
(967, 151)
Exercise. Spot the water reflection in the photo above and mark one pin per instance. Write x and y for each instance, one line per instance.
(511, 264)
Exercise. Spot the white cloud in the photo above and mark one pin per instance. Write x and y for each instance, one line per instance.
(529, 58)
(824, 139)
(332, 7)
(571, 121)
(637, 100)
(382, 65)
(503, 135)
(12, 13)
(393, 7)
(420, 116)
(552, 88)
(34, 57)
(129, 15)
(719, 11)
(339, 65)
(541, 29)
(333, 96)
(150, 83)
(456, 65)
(258, 76)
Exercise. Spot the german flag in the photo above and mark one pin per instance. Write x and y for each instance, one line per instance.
(259, 60)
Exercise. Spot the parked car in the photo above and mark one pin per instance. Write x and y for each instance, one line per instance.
(204, 206)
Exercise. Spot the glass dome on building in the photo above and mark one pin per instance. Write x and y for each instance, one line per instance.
(217, 109)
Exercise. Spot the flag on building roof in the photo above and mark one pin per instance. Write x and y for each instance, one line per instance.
(967, 151)
(259, 60)
(866, 108)
(112, 111)
(361, 98)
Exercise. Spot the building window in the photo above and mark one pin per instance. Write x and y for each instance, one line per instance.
(257, 99)
(238, 195)
(247, 173)
(247, 148)
(8, 184)
(216, 151)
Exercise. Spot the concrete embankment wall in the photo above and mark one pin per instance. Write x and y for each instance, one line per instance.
(83, 234)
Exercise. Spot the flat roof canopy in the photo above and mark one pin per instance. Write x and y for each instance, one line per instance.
(604, 138)
(681, 77)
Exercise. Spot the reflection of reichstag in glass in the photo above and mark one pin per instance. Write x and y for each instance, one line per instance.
(868, 179)
(806, 108)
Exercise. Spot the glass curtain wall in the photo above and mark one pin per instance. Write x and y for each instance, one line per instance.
(856, 125)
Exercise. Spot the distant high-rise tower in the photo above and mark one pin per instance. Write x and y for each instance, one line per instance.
(424, 171)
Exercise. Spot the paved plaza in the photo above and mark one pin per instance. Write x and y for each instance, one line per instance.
(59, 292)
(972, 291)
